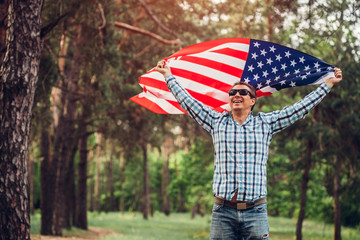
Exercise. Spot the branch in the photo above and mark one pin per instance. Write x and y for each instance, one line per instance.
(45, 30)
(152, 15)
(147, 33)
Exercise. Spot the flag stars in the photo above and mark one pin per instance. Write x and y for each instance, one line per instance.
(251, 68)
(263, 52)
(265, 73)
(316, 65)
(287, 74)
(293, 63)
(274, 70)
(247, 80)
(256, 77)
(254, 55)
(307, 68)
(303, 77)
(272, 49)
(259, 86)
(293, 84)
(302, 60)
(283, 66)
(269, 61)
(297, 71)
(287, 54)
(256, 44)
(283, 82)
(278, 57)
(277, 78)
(260, 64)
(268, 82)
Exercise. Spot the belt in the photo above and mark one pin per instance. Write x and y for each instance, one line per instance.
(240, 205)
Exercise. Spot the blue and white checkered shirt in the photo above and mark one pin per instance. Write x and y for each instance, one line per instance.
(241, 151)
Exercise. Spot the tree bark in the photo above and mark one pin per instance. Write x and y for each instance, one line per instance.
(19, 74)
(337, 211)
(304, 188)
(146, 199)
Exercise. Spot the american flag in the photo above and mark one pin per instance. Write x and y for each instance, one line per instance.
(208, 70)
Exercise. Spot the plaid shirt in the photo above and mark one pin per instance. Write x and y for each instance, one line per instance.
(241, 151)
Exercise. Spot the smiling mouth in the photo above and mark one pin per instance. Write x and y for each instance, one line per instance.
(237, 101)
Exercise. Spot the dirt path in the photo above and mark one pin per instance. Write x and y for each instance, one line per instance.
(92, 233)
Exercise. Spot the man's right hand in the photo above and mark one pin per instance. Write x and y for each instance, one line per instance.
(163, 68)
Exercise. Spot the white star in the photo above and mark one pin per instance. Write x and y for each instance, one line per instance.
(297, 71)
(292, 63)
(259, 86)
(302, 59)
(308, 73)
(272, 49)
(260, 64)
(278, 57)
(287, 74)
(287, 54)
(265, 74)
(317, 65)
(318, 70)
(251, 68)
(277, 78)
(283, 82)
(263, 52)
(269, 61)
(329, 68)
(247, 80)
(274, 70)
(303, 77)
(254, 56)
(268, 82)
(283, 66)
(292, 84)
(307, 68)
(256, 77)
(256, 44)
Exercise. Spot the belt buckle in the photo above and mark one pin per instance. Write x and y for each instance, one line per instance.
(241, 206)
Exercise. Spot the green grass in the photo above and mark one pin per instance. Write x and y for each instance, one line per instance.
(131, 226)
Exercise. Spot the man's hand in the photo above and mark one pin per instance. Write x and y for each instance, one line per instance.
(334, 80)
(163, 68)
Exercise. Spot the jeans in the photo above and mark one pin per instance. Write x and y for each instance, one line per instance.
(228, 223)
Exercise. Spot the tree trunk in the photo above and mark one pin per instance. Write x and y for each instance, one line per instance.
(81, 203)
(19, 73)
(146, 199)
(111, 177)
(47, 182)
(304, 188)
(97, 193)
(337, 212)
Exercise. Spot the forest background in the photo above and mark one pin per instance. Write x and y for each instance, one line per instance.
(91, 149)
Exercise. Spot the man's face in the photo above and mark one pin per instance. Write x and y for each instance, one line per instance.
(240, 102)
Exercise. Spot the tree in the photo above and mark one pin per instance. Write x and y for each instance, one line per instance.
(19, 73)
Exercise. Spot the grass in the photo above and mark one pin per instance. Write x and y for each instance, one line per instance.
(131, 226)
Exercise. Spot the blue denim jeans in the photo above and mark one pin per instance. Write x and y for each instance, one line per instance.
(228, 223)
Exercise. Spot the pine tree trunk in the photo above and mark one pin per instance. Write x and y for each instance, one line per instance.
(111, 177)
(47, 183)
(146, 199)
(19, 69)
(337, 211)
(304, 188)
(81, 203)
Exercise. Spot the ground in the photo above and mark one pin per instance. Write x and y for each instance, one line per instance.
(92, 233)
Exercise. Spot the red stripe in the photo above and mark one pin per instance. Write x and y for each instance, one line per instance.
(210, 101)
(237, 72)
(262, 94)
(232, 53)
(200, 47)
(207, 81)
(150, 105)
(152, 82)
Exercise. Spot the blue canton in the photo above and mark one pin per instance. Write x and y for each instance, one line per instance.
(241, 151)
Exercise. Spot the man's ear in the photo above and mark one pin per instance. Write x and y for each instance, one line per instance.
(253, 101)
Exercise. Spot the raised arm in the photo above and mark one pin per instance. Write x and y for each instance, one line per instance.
(198, 111)
(279, 120)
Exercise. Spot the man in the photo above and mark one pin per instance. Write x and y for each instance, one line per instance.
(241, 144)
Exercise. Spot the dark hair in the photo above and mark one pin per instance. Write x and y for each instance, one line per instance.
(252, 89)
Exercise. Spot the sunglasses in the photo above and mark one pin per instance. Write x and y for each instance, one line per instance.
(242, 92)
